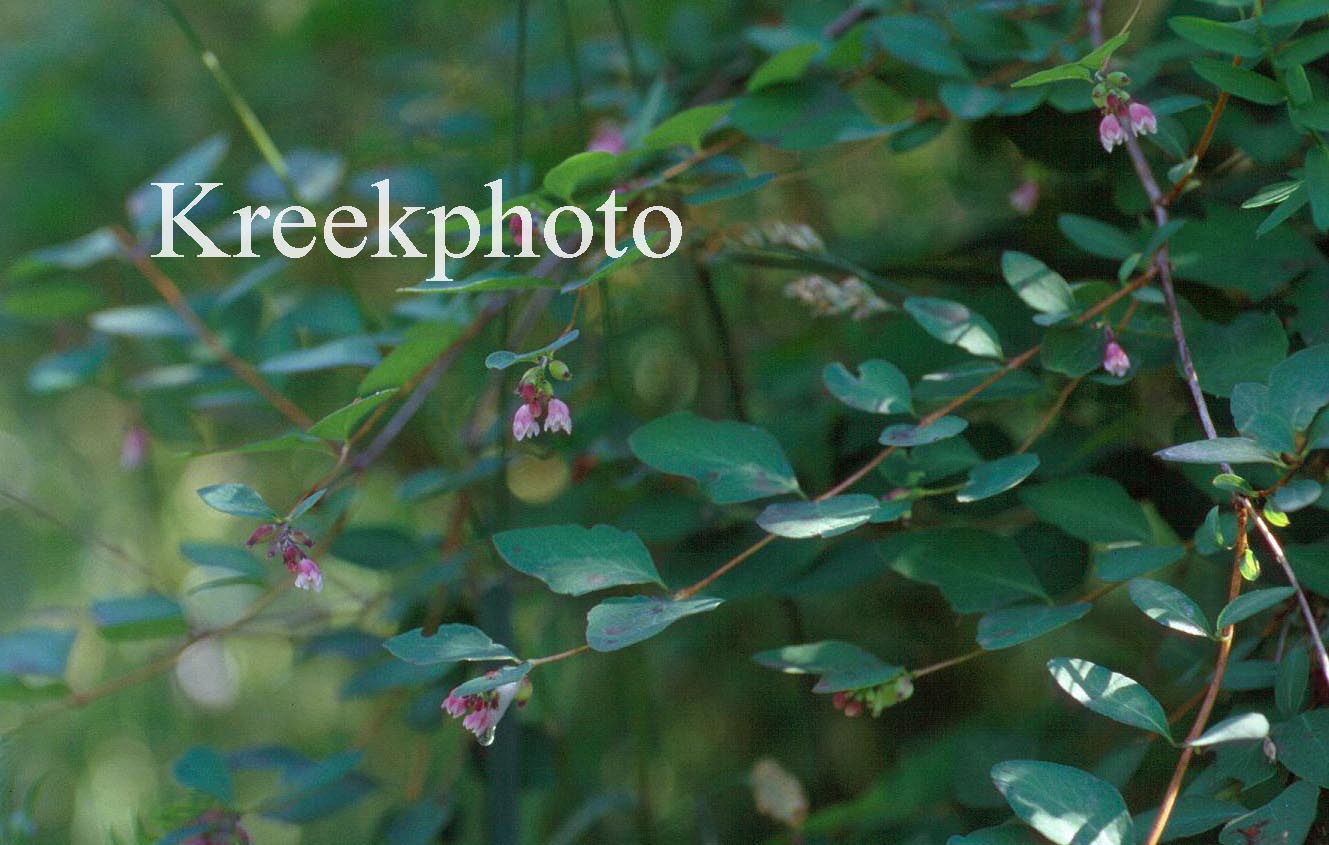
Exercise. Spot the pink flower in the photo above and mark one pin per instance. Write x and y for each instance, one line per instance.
(557, 417)
(1115, 361)
(608, 139)
(455, 705)
(1142, 117)
(134, 448)
(517, 229)
(1024, 199)
(1110, 132)
(308, 575)
(524, 424)
(483, 711)
(260, 534)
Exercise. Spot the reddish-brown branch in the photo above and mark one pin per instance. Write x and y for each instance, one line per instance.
(1210, 697)
(243, 370)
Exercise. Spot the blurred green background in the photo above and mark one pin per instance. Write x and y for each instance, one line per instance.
(654, 744)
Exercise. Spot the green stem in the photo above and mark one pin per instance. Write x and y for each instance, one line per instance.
(574, 69)
(266, 147)
(519, 97)
(629, 48)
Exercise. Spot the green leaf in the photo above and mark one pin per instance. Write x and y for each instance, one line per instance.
(1096, 237)
(1125, 563)
(579, 171)
(1317, 181)
(1245, 606)
(482, 282)
(1217, 36)
(1072, 350)
(307, 503)
(77, 254)
(1244, 350)
(1257, 417)
(421, 345)
(953, 323)
(1225, 250)
(237, 500)
(1110, 694)
(1299, 386)
(574, 560)
(489, 681)
(1041, 287)
(968, 101)
(688, 127)
(1242, 728)
(842, 666)
(141, 321)
(1303, 746)
(785, 66)
(1191, 816)
(1060, 73)
(1292, 682)
(1286, 820)
(204, 769)
(829, 518)
(1067, 805)
(503, 359)
(1232, 450)
(138, 617)
(733, 462)
(1093, 508)
(1015, 625)
(975, 571)
(620, 622)
(880, 387)
(1239, 82)
(905, 435)
(920, 42)
(1169, 607)
(353, 351)
(1097, 58)
(36, 651)
(809, 114)
(612, 264)
(1273, 194)
(224, 556)
(449, 643)
(339, 424)
(729, 190)
(992, 478)
(379, 547)
(59, 371)
(1294, 11)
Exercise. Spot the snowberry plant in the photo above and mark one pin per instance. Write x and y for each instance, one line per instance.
(988, 389)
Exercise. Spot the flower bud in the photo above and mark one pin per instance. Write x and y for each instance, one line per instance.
(260, 534)
(559, 370)
(1117, 79)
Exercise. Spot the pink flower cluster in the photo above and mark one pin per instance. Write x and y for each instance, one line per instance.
(537, 402)
(875, 699)
(1140, 117)
(481, 712)
(1115, 360)
(292, 544)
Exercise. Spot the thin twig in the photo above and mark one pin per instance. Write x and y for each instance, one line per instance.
(1206, 705)
(120, 552)
(724, 338)
(629, 47)
(248, 118)
(862, 472)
